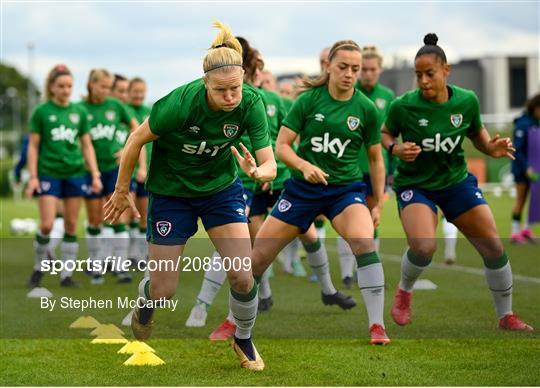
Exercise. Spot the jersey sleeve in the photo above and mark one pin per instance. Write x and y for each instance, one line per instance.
(476, 121)
(36, 121)
(296, 116)
(372, 128)
(126, 114)
(165, 115)
(393, 119)
(257, 125)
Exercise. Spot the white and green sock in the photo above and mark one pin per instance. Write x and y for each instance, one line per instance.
(211, 284)
(499, 279)
(346, 257)
(450, 233)
(412, 267)
(318, 260)
(244, 311)
(371, 282)
(68, 249)
(265, 291)
(41, 247)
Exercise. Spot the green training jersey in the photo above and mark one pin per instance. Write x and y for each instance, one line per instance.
(382, 97)
(275, 113)
(192, 156)
(439, 129)
(59, 128)
(104, 120)
(333, 132)
(287, 103)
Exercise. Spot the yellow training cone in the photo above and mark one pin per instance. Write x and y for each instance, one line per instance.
(85, 322)
(135, 347)
(110, 338)
(106, 329)
(144, 358)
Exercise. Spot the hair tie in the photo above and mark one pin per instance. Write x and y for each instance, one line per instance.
(220, 66)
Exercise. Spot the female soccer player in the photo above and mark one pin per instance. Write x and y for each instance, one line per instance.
(136, 96)
(334, 121)
(368, 83)
(257, 210)
(433, 121)
(193, 174)
(105, 117)
(523, 173)
(58, 148)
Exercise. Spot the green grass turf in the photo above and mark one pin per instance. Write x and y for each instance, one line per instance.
(452, 340)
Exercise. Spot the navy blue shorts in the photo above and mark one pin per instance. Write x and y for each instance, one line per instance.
(108, 180)
(520, 175)
(137, 188)
(63, 188)
(369, 189)
(173, 220)
(453, 201)
(301, 202)
(262, 202)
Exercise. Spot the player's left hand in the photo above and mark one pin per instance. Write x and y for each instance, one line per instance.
(117, 204)
(97, 185)
(501, 147)
(376, 215)
(247, 162)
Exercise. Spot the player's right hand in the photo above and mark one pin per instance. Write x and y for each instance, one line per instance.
(314, 174)
(407, 151)
(33, 186)
(120, 200)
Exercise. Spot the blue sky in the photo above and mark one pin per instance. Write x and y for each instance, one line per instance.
(164, 42)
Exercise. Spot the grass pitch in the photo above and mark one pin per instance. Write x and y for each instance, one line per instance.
(452, 340)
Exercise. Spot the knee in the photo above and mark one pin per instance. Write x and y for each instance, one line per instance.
(241, 284)
(359, 246)
(424, 248)
(493, 249)
(159, 291)
(45, 228)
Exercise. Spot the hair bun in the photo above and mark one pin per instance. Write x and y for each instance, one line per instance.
(431, 39)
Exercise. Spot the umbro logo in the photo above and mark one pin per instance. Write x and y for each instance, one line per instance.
(194, 129)
(53, 118)
(319, 117)
(423, 122)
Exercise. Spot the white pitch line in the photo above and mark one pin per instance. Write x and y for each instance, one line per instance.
(453, 267)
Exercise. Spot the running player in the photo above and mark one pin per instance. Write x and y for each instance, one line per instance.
(382, 96)
(105, 116)
(58, 148)
(334, 121)
(193, 174)
(523, 173)
(433, 121)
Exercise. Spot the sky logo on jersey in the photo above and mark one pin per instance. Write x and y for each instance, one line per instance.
(284, 205)
(325, 145)
(353, 122)
(319, 117)
(163, 228)
(202, 149)
(423, 122)
(62, 133)
(110, 115)
(121, 137)
(436, 144)
(74, 117)
(456, 120)
(230, 130)
(102, 132)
